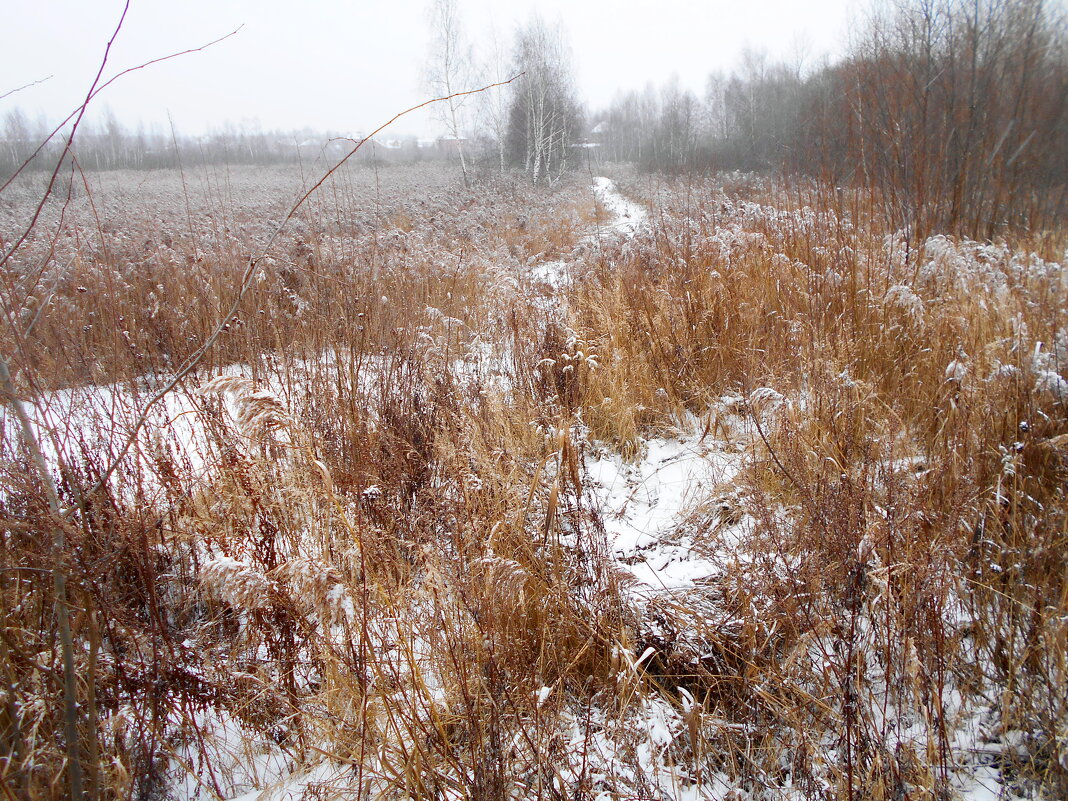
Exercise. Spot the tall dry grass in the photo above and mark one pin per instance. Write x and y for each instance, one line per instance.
(376, 556)
(904, 568)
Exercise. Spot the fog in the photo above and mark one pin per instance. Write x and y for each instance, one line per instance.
(349, 66)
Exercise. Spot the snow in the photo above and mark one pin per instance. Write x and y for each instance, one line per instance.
(627, 215)
(242, 761)
(553, 273)
(956, 371)
(98, 420)
(643, 504)
(299, 785)
(1048, 381)
(542, 694)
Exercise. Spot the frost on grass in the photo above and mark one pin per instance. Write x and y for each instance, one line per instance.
(489, 496)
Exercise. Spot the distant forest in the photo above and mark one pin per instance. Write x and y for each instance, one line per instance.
(955, 110)
(110, 145)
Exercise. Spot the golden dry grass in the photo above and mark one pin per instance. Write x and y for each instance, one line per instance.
(384, 556)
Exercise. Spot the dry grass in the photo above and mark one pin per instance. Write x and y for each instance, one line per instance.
(899, 574)
(376, 550)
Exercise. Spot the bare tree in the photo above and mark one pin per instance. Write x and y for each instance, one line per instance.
(450, 69)
(494, 105)
(957, 111)
(675, 133)
(545, 116)
(19, 137)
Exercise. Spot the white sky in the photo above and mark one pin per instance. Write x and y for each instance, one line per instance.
(349, 65)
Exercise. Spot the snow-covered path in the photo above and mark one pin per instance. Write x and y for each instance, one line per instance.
(643, 504)
(626, 217)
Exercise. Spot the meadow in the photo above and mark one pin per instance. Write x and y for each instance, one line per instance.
(686, 487)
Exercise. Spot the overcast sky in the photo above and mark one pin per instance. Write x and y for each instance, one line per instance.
(349, 65)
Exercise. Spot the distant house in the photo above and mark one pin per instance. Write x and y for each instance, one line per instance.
(592, 140)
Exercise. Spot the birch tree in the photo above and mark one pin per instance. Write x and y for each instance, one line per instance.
(450, 69)
(545, 117)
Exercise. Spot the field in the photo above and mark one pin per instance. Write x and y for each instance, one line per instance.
(642, 488)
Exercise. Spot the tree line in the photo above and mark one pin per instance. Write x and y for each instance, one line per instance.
(954, 111)
(107, 144)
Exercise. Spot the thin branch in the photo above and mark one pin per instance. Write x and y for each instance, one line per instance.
(96, 90)
(194, 358)
(10, 92)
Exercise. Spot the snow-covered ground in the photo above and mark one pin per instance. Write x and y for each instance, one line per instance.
(648, 508)
(627, 215)
(643, 504)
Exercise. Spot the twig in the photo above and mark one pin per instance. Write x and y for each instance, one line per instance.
(194, 358)
(10, 92)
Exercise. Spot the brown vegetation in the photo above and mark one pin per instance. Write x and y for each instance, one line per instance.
(358, 550)
(376, 548)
